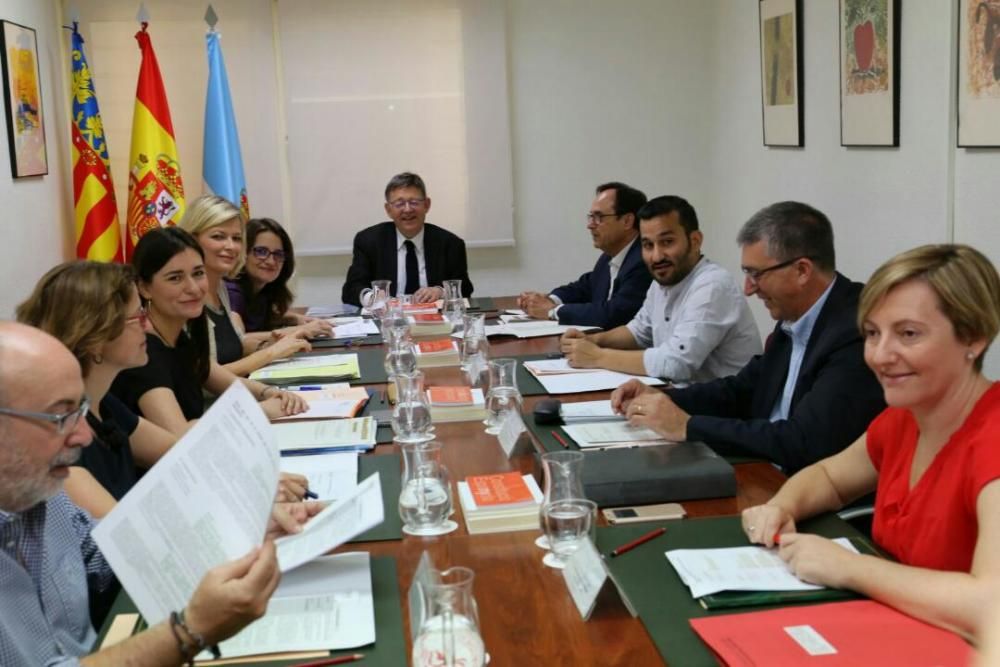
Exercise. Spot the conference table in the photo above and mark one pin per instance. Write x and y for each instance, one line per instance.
(525, 611)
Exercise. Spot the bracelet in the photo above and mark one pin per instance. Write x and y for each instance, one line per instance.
(190, 651)
(187, 651)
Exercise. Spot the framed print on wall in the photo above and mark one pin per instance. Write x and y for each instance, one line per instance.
(978, 73)
(22, 92)
(781, 75)
(869, 72)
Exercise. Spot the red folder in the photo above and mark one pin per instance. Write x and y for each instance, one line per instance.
(861, 632)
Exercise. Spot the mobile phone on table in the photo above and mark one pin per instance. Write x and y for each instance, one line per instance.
(616, 515)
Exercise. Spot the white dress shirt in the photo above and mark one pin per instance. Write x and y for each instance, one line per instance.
(615, 265)
(697, 330)
(418, 242)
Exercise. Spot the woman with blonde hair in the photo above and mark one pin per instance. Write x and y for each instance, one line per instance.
(217, 225)
(928, 317)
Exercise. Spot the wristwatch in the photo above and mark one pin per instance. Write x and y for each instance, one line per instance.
(552, 313)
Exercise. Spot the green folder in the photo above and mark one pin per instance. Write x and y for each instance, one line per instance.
(664, 603)
(390, 468)
(389, 649)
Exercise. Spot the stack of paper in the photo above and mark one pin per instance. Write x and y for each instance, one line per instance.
(353, 327)
(529, 329)
(327, 367)
(607, 435)
(328, 435)
(498, 503)
(330, 401)
(331, 476)
(437, 353)
(558, 377)
(585, 412)
(456, 404)
(553, 367)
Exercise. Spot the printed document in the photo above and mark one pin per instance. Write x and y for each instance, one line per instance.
(358, 433)
(331, 476)
(326, 365)
(571, 383)
(589, 411)
(604, 434)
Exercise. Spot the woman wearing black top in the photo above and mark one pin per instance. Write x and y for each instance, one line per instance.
(167, 390)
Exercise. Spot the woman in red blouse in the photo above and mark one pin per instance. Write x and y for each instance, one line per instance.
(933, 456)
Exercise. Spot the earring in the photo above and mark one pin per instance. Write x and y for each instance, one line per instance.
(970, 355)
(98, 359)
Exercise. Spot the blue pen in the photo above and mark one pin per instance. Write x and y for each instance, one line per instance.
(306, 388)
(311, 496)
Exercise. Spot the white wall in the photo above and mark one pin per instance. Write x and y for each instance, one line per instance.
(36, 213)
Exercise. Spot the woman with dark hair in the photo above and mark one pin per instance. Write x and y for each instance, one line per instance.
(172, 282)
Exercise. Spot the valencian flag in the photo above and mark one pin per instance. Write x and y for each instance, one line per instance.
(98, 235)
(155, 190)
(222, 163)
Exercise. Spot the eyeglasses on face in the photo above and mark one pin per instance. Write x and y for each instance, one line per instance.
(400, 204)
(262, 253)
(64, 422)
(754, 275)
(140, 317)
(597, 217)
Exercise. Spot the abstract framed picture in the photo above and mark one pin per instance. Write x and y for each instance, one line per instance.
(869, 72)
(22, 92)
(781, 76)
(978, 74)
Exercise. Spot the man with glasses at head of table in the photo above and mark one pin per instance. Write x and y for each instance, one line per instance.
(810, 394)
(415, 255)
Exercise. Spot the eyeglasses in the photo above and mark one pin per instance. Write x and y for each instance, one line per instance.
(754, 275)
(141, 317)
(401, 204)
(262, 253)
(65, 422)
(597, 217)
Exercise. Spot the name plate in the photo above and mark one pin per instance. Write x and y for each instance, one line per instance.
(510, 432)
(586, 575)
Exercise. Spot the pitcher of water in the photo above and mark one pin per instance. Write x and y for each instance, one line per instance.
(400, 358)
(503, 396)
(411, 416)
(374, 298)
(449, 635)
(562, 480)
(425, 498)
(475, 348)
(454, 303)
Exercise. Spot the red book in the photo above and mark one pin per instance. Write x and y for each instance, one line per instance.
(427, 317)
(862, 632)
(450, 395)
(501, 489)
(436, 346)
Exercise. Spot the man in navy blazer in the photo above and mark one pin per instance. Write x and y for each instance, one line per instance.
(810, 394)
(612, 293)
(414, 254)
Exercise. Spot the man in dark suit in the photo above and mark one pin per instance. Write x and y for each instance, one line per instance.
(611, 294)
(810, 394)
(415, 255)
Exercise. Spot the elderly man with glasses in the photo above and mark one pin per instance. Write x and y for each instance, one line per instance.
(810, 394)
(412, 253)
(612, 293)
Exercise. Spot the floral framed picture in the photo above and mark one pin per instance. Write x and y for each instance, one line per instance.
(978, 73)
(781, 77)
(869, 72)
(22, 93)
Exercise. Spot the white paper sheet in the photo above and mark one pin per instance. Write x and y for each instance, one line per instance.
(707, 571)
(207, 501)
(571, 383)
(555, 367)
(331, 476)
(326, 604)
(357, 329)
(602, 434)
(337, 523)
(292, 436)
(329, 401)
(589, 411)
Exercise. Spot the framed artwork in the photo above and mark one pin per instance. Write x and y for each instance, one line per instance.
(781, 78)
(978, 73)
(22, 93)
(869, 72)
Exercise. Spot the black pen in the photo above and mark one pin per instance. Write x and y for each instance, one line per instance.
(310, 495)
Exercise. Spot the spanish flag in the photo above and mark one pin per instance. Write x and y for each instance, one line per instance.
(155, 189)
(98, 235)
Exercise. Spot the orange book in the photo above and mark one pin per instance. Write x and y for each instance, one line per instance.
(450, 395)
(501, 489)
(427, 317)
(436, 346)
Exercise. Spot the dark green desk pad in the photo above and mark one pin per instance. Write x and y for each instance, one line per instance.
(527, 383)
(389, 467)
(663, 602)
(389, 649)
(378, 400)
(543, 433)
(322, 343)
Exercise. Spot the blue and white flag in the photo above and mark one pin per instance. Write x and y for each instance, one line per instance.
(222, 163)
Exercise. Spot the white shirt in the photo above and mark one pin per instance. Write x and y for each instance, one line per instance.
(418, 242)
(615, 265)
(697, 330)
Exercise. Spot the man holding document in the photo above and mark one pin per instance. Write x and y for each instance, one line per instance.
(48, 557)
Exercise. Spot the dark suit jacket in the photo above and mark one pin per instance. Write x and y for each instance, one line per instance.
(586, 300)
(836, 395)
(375, 254)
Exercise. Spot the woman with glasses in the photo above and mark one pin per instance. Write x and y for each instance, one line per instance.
(172, 282)
(260, 294)
(217, 226)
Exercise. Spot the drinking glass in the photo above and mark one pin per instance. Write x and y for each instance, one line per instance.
(400, 358)
(425, 495)
(561, 480)
(411, 416)
(454, 304)
(567, 523)
(449, 634)
(475, 348)
(503, 396)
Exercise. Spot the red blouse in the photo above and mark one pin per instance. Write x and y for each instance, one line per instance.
(934, 524)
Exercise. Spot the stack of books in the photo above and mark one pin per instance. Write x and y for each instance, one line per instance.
(499, 503)
(456, 404)
(428, 324)
(437, 353)
(326, 435)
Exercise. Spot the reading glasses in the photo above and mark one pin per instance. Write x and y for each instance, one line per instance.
(64, 422)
